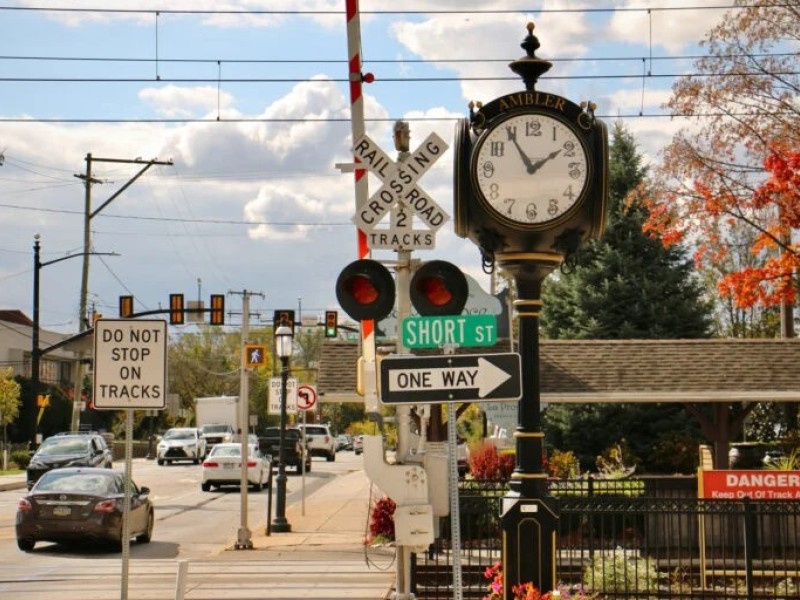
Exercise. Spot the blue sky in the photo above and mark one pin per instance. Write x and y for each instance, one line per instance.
(253, 200)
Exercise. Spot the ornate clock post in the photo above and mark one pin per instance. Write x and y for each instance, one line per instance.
(531, 184)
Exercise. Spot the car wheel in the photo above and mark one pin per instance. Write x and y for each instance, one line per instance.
(147, 535)
(331, 457)
(196, 461)
(26, 544)
(160, 461)
(206, 486)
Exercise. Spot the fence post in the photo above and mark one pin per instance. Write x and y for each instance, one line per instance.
(749, 544)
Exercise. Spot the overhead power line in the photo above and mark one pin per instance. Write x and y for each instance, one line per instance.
(389, 12)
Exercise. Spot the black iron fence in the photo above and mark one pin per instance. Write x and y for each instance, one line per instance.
(634, 539)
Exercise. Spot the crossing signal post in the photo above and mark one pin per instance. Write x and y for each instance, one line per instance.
(331, 323)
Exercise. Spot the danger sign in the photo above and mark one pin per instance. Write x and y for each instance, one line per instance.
(130, 364)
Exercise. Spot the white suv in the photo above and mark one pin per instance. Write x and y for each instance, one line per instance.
(181, 443)
(320, 441)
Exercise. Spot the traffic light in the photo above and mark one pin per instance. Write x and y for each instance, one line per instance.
(125, 306)
(331, 323)
(217, 316)
(439, 288)
(176, 309)
(365, 290)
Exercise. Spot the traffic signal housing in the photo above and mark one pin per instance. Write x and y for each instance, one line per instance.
(365, 290)
(331, 323)
(439, 288)
(176, 316)
(217, 314)
(125, 306)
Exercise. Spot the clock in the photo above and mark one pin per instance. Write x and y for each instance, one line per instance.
(531, 169)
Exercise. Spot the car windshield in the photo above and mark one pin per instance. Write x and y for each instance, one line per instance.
(53, 447)
(226, 451)
(85, 483)
(315, 431)
(215, 428)
(179, 434)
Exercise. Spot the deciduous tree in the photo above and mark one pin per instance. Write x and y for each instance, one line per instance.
(736, 166)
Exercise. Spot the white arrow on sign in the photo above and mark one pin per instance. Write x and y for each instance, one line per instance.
(399, 182)
(485, 377)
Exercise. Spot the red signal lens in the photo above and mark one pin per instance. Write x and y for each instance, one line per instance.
(436, 291)
(362, 290)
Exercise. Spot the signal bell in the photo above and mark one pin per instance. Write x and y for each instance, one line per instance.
(365, 290)
(439, 288)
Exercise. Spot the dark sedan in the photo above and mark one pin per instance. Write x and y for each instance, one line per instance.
(82, 504)
(69, 450)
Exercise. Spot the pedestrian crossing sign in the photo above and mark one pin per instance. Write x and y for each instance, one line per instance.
(255, 355)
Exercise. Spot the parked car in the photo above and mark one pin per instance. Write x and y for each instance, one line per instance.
(181, 443)
(216, 433)
(82, 504)
(344, 442)
(80, 449)
(293, 453)
(223, 466)
(320, 441)
(358, 444)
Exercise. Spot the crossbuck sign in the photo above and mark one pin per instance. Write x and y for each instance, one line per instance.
(399, 183)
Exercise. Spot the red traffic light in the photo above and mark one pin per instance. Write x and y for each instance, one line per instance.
(439, 288)
(365, 290)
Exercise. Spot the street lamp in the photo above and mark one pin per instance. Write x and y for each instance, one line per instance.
(283, 348)
(36, 352)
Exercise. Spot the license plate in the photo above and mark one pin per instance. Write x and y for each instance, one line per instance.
(62, 511)
(229, 466)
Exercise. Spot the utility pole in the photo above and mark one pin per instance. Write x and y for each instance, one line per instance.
(88, 215)
(244, 537)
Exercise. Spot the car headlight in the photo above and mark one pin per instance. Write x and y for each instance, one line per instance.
(35, 464)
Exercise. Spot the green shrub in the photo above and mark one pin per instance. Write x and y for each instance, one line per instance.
(622, 572)
(563, 465)
(21, 458)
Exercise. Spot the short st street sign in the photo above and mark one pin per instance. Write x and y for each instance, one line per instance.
(461, 330)
(450, 378)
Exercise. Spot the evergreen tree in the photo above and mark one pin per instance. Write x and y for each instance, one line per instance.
(627, 286)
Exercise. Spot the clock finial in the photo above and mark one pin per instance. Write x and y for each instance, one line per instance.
(530, 67)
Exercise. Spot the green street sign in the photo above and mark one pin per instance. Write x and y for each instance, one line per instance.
(462, 330)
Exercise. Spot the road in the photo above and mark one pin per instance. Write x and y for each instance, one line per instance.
(190, 523)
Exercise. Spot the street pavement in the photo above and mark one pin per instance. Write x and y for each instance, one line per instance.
(323, 557)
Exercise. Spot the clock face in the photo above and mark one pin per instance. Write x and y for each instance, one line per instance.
(531, 169)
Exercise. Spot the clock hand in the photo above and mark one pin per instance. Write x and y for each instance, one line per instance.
(539, 163)
(513, 137)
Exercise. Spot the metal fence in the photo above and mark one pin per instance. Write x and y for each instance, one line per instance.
(635, 540)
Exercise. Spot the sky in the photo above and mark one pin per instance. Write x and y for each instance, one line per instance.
(249, 101)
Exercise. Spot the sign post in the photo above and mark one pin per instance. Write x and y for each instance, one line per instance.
(130, 372)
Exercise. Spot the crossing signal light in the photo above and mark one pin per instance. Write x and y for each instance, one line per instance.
(176, 309)
(125, 306)
(439, 288)
(365, 290)
(331, 323)
(217, 315)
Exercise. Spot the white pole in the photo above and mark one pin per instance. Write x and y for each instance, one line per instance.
(244, 540)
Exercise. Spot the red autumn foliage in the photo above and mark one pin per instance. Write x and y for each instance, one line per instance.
(487, 464)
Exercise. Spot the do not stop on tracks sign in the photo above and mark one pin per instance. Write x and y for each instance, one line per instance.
(130, 364)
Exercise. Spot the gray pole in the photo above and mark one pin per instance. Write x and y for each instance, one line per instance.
(245, 541)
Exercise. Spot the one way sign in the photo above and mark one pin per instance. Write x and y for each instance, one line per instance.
(451, 378)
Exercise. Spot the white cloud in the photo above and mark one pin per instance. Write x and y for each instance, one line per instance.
(174, 101)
